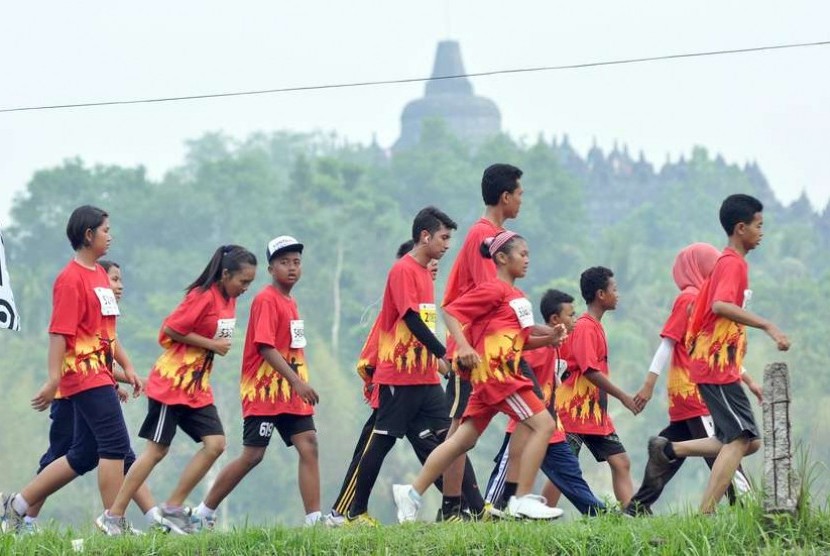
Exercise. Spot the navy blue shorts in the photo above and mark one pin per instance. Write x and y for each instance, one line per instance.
(100, 430)
(61, 431)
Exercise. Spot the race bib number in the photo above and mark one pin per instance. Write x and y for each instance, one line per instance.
(224, 329)
(298, 334)
(747, 298)
(429, 315)
(109, 307)
(561, 367)
(524, 311)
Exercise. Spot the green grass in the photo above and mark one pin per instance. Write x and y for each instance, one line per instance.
(742, 530)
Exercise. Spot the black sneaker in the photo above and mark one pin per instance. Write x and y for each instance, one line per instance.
(636, 509)
(455, 515)
(656, 450)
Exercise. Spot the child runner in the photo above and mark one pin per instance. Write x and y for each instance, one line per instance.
(560, 465)
(62, 416)
(499, 319)
(409, 357)
(717, 342)
(688, 416)
(178, 390)
(422, 442)
(274, 385)
(81, 351)
(582, 400)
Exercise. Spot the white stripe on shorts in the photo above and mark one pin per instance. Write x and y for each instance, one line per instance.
(729, 407)
(519, 406)
(160, 424)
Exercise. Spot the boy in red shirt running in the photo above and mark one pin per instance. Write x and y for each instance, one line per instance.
(501, 190)
(717, 342)
(688, 415)
(409, 359)
(582, 400)
(274, 385)
(560, 466)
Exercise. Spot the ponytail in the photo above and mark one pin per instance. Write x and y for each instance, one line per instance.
(227, 257)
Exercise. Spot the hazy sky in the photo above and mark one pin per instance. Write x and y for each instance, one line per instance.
(770, 107)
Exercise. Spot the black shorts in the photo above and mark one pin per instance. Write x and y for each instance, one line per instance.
(602, 447)
(162, 420)
(458, 393)
(257, 429)
(730, 410)
(411, 408)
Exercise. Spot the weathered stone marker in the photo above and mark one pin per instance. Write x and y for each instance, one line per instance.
(779, 477)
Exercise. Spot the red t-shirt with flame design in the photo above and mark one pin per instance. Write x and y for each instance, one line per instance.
(181, 375)
(275, 322)
(583, 407)
(401, 358)
(497, 319)
(684, 398)
(716, 344)
(369, 359)
(468, 270)
(77, 315)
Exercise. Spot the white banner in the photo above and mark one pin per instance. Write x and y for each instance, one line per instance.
(8, 312)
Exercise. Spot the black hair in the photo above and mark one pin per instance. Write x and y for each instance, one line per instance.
(430, 219)
(552, 302)
(738, 208)
(107, 264)
(405, 248)
(83, 218)
(592, 280)
(484, 248)
(498, 179)
(227, 257)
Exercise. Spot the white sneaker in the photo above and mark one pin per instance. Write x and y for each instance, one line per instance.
(531, 506)
(111, 525)
(407, 505)
(334, 520)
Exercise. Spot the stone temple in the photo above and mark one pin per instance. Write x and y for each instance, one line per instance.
(468, 116)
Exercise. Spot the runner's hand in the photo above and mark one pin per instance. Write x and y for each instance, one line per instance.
(307, 393)
(45, 395)
(221, 346)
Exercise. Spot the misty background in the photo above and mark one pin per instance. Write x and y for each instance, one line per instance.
(624, 166)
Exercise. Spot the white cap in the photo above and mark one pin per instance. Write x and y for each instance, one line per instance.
(282, 244)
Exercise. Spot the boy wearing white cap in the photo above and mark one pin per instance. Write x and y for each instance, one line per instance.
(274, 385)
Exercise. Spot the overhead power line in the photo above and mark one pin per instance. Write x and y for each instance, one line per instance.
(419, 79)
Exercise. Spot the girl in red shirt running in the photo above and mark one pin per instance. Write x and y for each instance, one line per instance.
(499, 319)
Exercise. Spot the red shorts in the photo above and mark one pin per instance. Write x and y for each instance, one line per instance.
(520, 405)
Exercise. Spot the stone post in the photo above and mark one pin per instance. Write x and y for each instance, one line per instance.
(779, 477)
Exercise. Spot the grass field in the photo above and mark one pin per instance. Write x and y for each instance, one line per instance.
(741, 530)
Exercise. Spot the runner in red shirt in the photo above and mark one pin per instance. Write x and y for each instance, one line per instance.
(499, 319)
(716, 339)
(560, 465)
(178, 390)
(274, 386)
(82, 343)
(501, 190)
(688, 415)
(409, 358)
(62, 415)
(582, 400)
